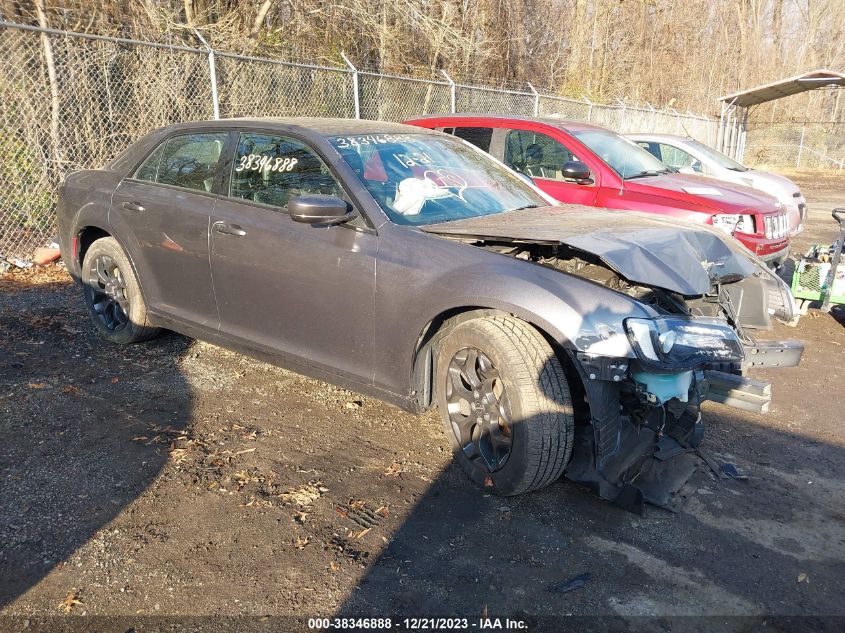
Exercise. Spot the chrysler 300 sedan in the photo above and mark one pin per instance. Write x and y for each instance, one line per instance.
(407, 264)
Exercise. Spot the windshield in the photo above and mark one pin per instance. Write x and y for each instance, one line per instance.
(424, 179)
(625, 157)
(717, 157)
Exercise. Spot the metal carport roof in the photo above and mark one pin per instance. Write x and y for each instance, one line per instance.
(785, 87)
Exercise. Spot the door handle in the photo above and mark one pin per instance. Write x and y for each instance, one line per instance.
(229, 229)
(133, 206)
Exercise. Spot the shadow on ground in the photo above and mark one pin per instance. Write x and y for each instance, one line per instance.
(91, 424)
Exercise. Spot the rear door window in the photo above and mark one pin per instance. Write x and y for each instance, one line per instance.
(536, 154)
(269, 169)
(478, 136)
(190, 160)
(148, 170)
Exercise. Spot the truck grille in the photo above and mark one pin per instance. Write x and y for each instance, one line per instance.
(776, 226)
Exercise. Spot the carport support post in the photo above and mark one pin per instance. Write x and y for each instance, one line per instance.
(536, 98)
(452, 91)
(355, 93)
(212, 75)
(800, 147)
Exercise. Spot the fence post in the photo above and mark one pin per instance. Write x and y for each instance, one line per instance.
(212, 75)
(536, 98)
(621, 129)
(653, 116)
(677, 118)
(800, 146)
(355, 96)
(451, 90)
(589, 108)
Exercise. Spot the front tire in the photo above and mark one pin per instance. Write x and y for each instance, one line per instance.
(113, 295)
(505, 404)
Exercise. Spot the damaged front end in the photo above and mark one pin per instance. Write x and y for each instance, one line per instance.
(645, 387)
(645, 379)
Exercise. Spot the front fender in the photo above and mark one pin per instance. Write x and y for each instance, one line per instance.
(426, 279)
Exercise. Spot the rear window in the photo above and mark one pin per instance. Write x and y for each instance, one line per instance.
(187, 160)
(478, 136)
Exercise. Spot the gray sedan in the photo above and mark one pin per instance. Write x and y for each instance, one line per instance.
(406, 264)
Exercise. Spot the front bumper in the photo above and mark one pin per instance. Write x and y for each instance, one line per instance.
(776, 259)
(772, 251)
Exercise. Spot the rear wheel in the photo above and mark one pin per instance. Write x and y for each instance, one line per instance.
(113, 294)
(505, 404)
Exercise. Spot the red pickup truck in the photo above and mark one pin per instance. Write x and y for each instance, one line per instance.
(587, 164)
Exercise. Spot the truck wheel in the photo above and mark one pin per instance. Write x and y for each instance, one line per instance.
(505, 404)
(113, 295)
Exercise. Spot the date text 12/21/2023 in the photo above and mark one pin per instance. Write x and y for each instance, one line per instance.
(418, 624)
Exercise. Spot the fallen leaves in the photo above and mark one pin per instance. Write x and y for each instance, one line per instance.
(71, 600)
(36, 385)
(300, 517)
(305, 495)
(802, 577)
(242, 478)
(300, 542)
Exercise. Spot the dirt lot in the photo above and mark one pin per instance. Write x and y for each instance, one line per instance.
(177, 478)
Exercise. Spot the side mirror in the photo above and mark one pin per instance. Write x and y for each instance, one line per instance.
(319, 209)
(577, 171)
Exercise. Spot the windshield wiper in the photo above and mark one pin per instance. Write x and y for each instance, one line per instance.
(648, 172)
(527, 206)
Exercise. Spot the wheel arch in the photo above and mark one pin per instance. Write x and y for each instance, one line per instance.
(89, 234)
(423, 359)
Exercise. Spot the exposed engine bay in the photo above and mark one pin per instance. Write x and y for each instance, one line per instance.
(745, 302)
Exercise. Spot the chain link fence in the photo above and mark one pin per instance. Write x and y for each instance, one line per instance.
(72, 101)
(795, 145)
(391, 98)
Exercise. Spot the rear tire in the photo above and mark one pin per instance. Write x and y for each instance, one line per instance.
(113, 295)
(505, 404)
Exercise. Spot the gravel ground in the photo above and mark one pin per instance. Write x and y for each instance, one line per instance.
(175, 478)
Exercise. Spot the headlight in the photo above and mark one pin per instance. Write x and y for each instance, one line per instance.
(734, 223)
(683, 343)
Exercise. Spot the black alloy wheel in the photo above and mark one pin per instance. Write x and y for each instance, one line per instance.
(479, 410)
(110, 298)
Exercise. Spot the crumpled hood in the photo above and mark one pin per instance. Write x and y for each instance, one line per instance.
(643, 249)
